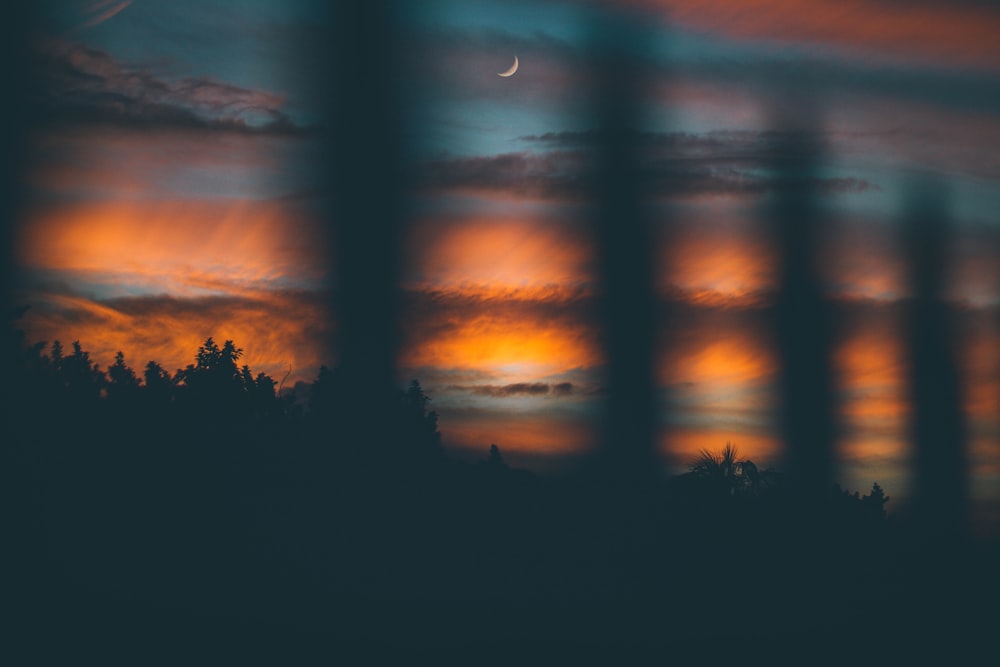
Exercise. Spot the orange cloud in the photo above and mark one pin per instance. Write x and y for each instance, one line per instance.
(501, 295)
(718, 360)
(511, 334)
(980, 365)
(495, 346)
(730, 261)
(871, 357)
(955, 33)
(498, 253)
(724, 363)
(174, 247)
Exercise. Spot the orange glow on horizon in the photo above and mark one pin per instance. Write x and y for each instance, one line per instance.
(524, 434)
(514, 279)
(524, 344)
(874, 409)
(681, 445)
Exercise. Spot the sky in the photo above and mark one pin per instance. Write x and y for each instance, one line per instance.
(173, 187)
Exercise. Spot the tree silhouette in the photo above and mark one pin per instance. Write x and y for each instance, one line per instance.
(494, 459)
(259, 391)
(159, 383)
(82, 378)
(417, 425)
(726, 473)
(215, 369)
(874, 502)
(325, 392)
(123, 384)
(215, 387)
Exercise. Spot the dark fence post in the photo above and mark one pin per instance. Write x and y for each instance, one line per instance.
(16, 131)
(625, 254)
(937, 423)
(802, 315)
(366, 158)
(31, 583)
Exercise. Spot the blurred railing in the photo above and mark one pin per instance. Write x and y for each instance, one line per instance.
(368, 174)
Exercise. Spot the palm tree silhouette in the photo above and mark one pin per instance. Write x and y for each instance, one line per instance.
(726, 471)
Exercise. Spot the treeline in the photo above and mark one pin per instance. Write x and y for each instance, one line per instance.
(215, 391)
(204, 491)
(216, 388)
(215, 379)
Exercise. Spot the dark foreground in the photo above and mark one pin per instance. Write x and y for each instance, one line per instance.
(255, 554)
(199, 518)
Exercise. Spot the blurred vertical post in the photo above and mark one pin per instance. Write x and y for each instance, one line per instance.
(30, 582)
(937, 423)
(625, 243)
(802, 315)
(13, 155)
(367, 179)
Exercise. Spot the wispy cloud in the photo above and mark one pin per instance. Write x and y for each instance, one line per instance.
(103, 10)
(472, 250)
(670, 165)
(80, 84)
(178, 247)
(520, 389)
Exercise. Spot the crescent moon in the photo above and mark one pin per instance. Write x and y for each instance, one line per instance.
(513, 68)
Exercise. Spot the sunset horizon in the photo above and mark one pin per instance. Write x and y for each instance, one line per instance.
(176, 191)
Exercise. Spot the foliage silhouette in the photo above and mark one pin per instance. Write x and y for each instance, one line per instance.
(728, 473)
(122, 382)
(245, 506)
(159, 383)
(495, 459)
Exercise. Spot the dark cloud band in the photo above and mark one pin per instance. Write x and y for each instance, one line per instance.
(522, 389)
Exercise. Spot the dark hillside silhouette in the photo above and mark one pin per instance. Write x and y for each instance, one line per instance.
(622, 229)
(253, 511)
